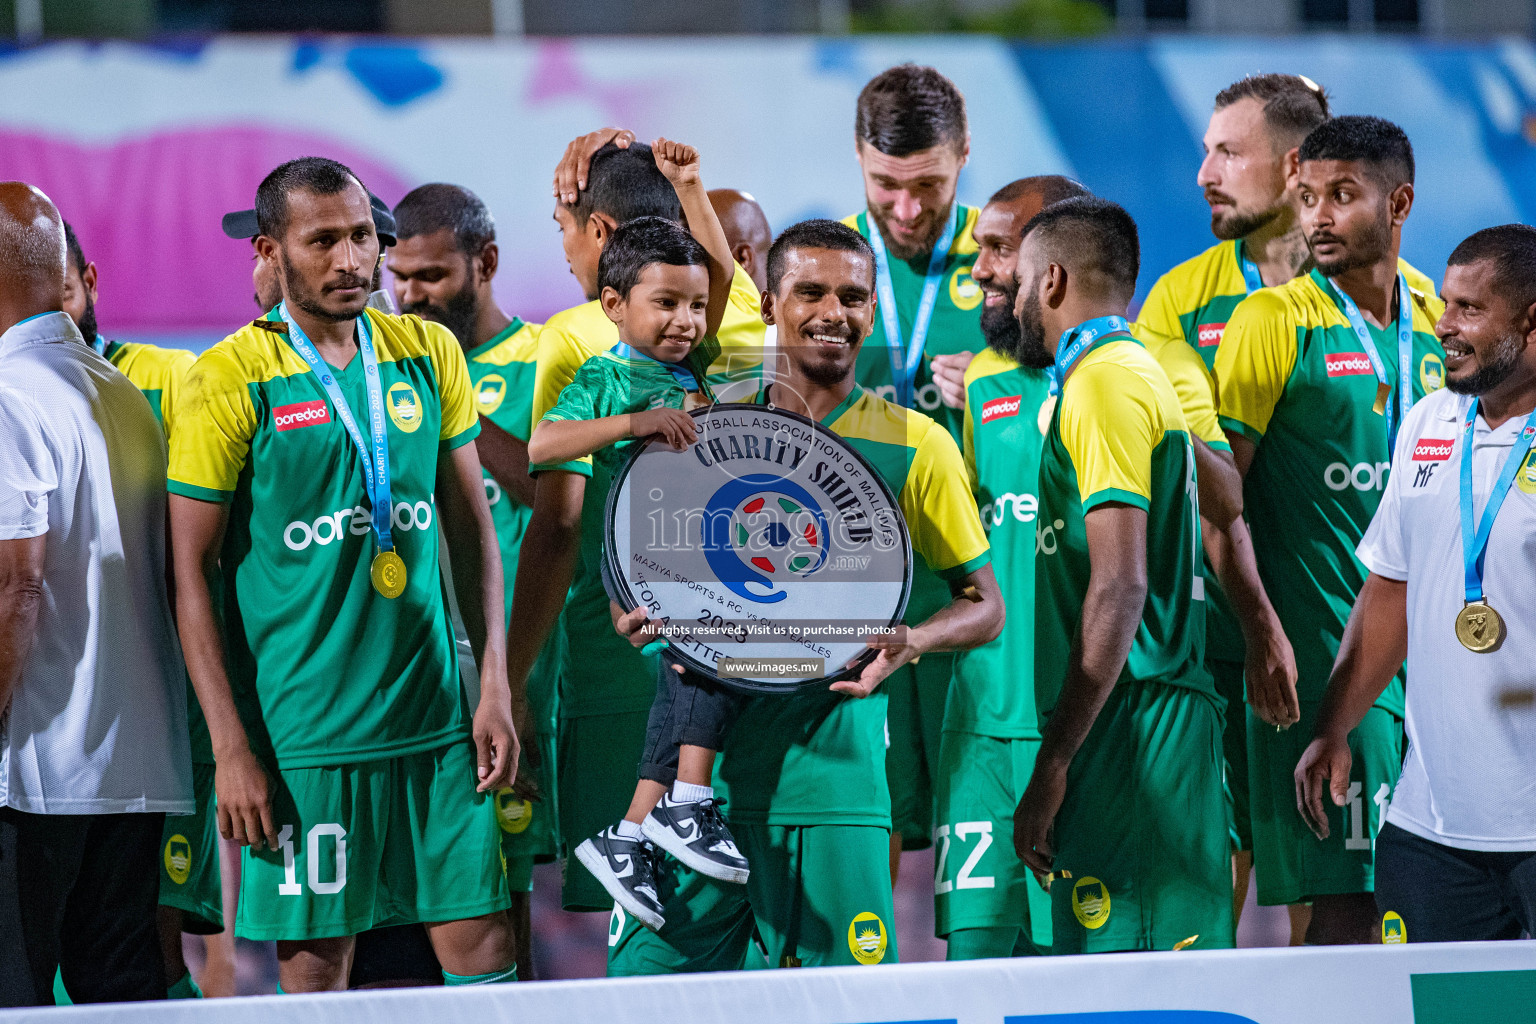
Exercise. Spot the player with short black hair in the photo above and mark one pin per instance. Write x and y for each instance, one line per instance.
(1315, 377)
(1125, 806)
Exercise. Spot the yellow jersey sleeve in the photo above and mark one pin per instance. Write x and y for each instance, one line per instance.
(215, 421)
(940, 509)
(178, 365)
(1110, 422)
(561, 355)
(461, 420)
(1254, 362)
(1192, 383)
(968, 450)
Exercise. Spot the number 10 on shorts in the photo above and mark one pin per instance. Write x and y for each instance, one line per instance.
(290, 885)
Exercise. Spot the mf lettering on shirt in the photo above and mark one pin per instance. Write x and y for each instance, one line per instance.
(1209, 335)
(300, 414)
(1348, 364)
(998, 408)
(1433, 449)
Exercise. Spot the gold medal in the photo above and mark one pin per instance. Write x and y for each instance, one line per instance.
(388, 573)
(1479, 627)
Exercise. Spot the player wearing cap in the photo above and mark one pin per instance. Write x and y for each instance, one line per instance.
(604, 180)
(312, 459)
(1125, 806)
(985, 902)
(820, 889)
(911, 139)
(1313, 378)
(1456, 859)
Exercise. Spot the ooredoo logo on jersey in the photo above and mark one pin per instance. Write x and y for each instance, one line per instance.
(998, 408)
(1433, 449)
(300, 414)
(1348, 364)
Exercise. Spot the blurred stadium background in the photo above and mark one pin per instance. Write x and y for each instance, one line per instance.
(146, 120)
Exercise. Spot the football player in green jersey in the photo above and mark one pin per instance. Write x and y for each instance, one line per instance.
(347, 762)
(986, 904)
(1125, 806)
(819, 891)
(1313, 378)
(912, 140)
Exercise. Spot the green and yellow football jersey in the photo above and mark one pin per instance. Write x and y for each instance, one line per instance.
(1118, 434)
(818, 757)
(1293, 378)
(955, 327)
(1007, 411)
(156, 371)
(328, 671)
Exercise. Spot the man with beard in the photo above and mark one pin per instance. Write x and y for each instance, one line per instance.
(327, 670)
(1314, 378)
(911, 139)
(809, 805)
(986, 904)
(1456, 858)
(1125, 806)
(443, 264)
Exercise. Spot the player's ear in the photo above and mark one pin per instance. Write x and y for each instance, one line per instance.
(1290, 166)
(490, 257)
(88, 280)
(266, 249)
(613, 304)
(767, 306)
(1053, 285)
(601, 227)
(1400, 203)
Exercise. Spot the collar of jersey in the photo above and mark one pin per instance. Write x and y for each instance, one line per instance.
(505, 333)
(680, 372)
(761, 398)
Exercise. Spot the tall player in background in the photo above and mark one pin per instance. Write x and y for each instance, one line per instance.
(911, 139)
(191, 897)
(1248, 176)
(986, 904)
(604, 180)
(1313, 379)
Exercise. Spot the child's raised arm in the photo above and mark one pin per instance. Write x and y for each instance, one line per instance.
(680, 164)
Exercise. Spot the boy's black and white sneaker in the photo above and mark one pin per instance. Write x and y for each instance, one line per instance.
(627, 869)
(694, 832)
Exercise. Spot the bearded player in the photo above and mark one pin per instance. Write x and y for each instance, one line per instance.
(1313, 378)
(318, 456)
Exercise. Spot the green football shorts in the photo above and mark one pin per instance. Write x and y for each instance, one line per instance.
(914, 722)
(404, 840)
(978, 881)
(599, 766)
(1143, 855)
(820, 894)
(1290, 863)
(189, 861)
(1234, 746)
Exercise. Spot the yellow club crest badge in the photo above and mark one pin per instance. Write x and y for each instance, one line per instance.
(513, 813)
(489, 393)
(965, 293)
(178, 859)
(404, 407)
(1525, 477)
(1090, 902)
(1393, 931)
(1431, 372)
(867, 939)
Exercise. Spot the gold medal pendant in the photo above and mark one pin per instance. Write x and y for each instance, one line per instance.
(388, 574)
(1479, 627)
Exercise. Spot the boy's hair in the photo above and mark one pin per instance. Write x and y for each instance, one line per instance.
(817, 233)
(1094, 239)
(1379, 144)
(640, 243)
(626, 184)
(1293, 104)
(313, 174)
(1511, 248)
(909, 108)
(428, 209)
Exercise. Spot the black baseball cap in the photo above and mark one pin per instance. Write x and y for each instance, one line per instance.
(242, 223)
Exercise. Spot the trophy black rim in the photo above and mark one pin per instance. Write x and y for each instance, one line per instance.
(627, 600)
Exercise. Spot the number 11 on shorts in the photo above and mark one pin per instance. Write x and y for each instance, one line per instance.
(290, 884)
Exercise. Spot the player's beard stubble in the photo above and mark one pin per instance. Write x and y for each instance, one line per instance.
(298, 294)
(1371, 246)
(1492, 370)
(87, 324)
(1000, 327)
(458, 314)
(1032, 350)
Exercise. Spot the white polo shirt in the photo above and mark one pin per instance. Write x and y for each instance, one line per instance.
(98, 722)
(1469, 780)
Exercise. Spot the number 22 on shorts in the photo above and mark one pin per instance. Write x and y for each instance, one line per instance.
(965, 879)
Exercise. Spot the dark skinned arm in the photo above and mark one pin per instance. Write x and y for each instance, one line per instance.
(505, 457)
(475, 557)
(241, 783)
(21, 592)
(1112, 610)
(1221, 487)
(1374, 647)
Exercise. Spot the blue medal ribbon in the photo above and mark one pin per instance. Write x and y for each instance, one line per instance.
(1081, 340)
(376, 464)
(1399, 403)
(907, 356)
(1474, 546)
(685, 376)
(1251, 276)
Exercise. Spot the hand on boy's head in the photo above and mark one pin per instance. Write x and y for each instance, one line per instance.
(571, 171)
(673, 426)
(678, 162)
